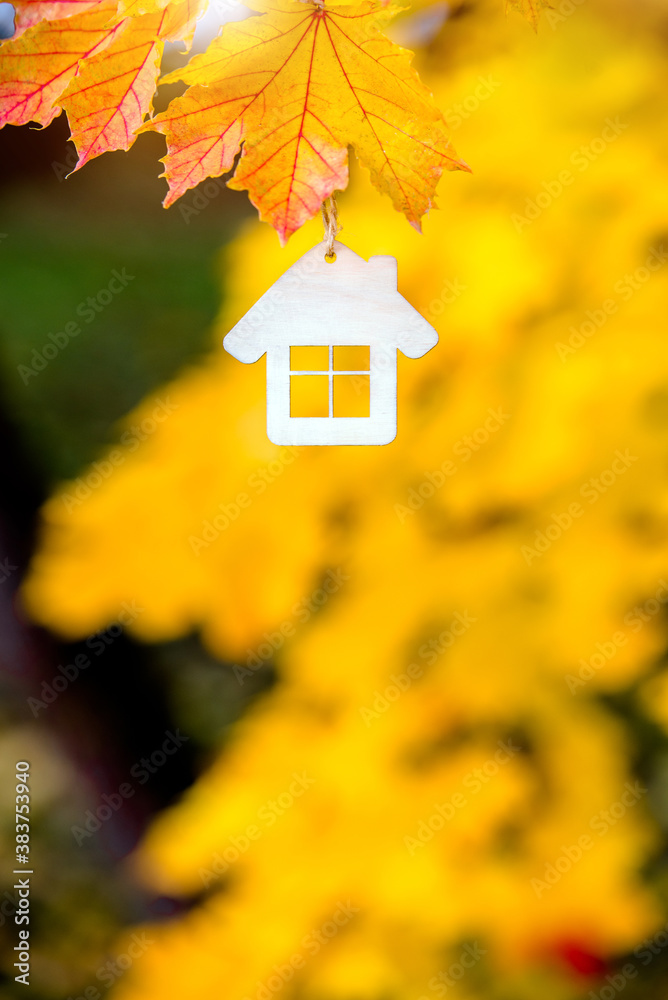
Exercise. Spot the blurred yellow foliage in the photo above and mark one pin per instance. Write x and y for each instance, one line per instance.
(437, 737)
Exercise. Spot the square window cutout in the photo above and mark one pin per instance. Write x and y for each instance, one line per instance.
(309, 395)
(351, 358)
(309, 359)
(351, 396)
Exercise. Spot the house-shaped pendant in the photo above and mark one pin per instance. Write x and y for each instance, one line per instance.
(331, 333)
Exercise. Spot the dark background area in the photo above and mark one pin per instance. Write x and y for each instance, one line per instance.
(61, 240)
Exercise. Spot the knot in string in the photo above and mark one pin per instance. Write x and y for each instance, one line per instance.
(330, 220)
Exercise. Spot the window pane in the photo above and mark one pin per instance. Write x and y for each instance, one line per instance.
(309, 395)
(309, 359)
(351, 359)
(351, 395)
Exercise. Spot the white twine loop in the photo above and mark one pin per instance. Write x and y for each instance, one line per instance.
(330, 220)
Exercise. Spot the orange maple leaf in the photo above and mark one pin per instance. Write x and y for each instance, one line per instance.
(36, 67)
(292, 89)
(107, 100)
(103, 71)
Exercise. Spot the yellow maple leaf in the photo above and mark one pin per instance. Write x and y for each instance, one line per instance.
(135, 8)
(180, 19)
(293, 88)
(190, 10)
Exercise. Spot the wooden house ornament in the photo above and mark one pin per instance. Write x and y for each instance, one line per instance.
(331, 331)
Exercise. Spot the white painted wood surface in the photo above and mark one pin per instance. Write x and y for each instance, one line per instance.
(315, 303)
